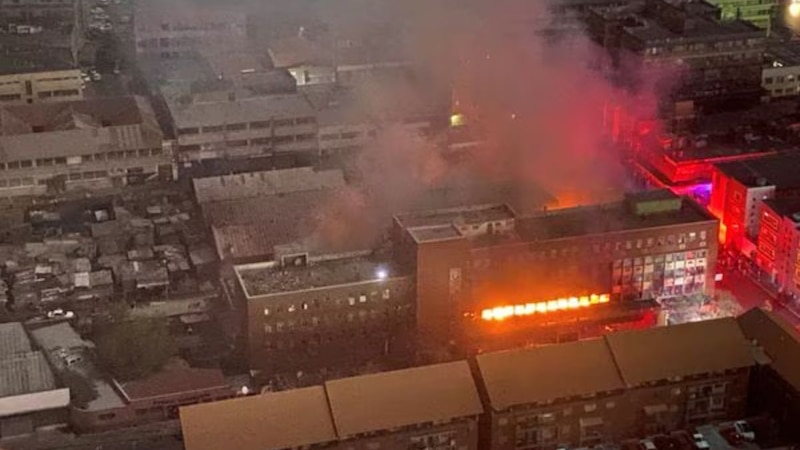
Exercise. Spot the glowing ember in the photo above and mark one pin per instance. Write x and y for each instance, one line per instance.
(561, 304)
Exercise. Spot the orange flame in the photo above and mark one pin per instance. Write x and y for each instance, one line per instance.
(528, 309)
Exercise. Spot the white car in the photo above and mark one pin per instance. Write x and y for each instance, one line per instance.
(60, 314)
(700, 442)
(744, 430)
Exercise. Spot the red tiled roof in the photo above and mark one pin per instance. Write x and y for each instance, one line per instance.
(173, 381)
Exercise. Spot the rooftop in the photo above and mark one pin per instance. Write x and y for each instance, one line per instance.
(778, 339)
(289, 419)
(258, 108)
(434, 233)
(173, 379)
(266, 183)
(456, 216)
(779, 170)
(560, 371)
(273, 279)
(29, 59)
(697, 28)
(788, 207)
(786, 53)
(60, 335)
(80, 114)
(25, 373)
(436, 393)
(600, 219)
(13, 339)
(662, 353)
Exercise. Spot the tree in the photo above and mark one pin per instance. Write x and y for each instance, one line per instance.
(132, 349)
(81, 388)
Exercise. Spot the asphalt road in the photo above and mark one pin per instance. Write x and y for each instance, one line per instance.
(750, 295)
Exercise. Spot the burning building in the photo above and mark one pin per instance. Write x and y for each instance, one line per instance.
(488, 277)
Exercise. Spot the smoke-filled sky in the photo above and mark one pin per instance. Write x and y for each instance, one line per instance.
(540, 100)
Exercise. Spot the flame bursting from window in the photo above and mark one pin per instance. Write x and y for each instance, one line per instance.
(528, 309)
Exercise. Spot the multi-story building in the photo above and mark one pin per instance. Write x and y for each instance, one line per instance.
(781, 73)
(717, 62)
(50, 147)
(627, 384)
(244, 127)
(775, 380)
(484, 272)
(20, 86)
(434, 407)
(328, 312)
(778, 243)
(760, 13)
(33, 12)
(575, 400)
(30, 395)
(169, 31)
(738, 190)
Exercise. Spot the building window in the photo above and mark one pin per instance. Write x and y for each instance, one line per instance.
(386, 294)
(266, 311)
(351, 301)
(610, 405)
(107, 416)
(589, 407)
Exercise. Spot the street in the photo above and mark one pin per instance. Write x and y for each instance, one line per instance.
(750, 294)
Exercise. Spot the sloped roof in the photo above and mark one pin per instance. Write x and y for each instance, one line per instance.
(559, 371)
(288, 419)
(779, 340)
(389, 400)
(25, 373)
(13, 339)
(662, 353)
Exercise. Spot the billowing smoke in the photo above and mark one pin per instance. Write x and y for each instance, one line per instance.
(539, 97)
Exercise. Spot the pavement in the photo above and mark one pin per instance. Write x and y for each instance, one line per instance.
(750, 294)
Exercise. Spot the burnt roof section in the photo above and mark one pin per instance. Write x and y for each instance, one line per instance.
(778, 339)
(779, 170)
(607, 218)
(461, 215)
(289, 419)
(663, 353)
(391, 400)
(560, 371)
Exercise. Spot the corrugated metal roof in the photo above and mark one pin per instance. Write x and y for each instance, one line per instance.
(246, 110)
(559, 371)
(25, 373)
(389, 400)
(272, 182)
(13, 339)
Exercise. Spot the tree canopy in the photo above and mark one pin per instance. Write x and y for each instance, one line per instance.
(132, 349)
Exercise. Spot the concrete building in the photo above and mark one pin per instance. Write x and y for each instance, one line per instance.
(112, 404)
(51, 147)
(718, 62)
(253, 212)
(738, 190)
(290, 419)
(34, 86)
(433, 407)
(32, 12)
(325, 312)
(761, 13)
(243, 127)
(176, 29)
(30, 396)
(781, 73)
(627, 384)
(775, 382)
(778, 243)
(494, 278)
(578, 388)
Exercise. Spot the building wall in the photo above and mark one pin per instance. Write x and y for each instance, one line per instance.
(610, 417)
(330, 327)
(281, 134)
(25, 423)
(459, 434)
(172, 37)
(34, 11)
(778, 250)
(61, 85)
(781, 81)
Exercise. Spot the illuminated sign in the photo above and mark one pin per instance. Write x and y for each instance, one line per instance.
(529, 309)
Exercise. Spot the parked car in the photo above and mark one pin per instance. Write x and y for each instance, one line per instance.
(60, 314)
(744, 430)
(700, 442)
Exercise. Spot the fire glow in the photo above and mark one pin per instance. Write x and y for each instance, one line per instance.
(528, 309)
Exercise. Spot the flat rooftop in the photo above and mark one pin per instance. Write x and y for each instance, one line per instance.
(275, 279)
(787, 53)
(779, 170)
(434, 233)
(778, 338)
(391, 400)
(456, 216)
(701, 28)
(260, 108)
(785, 206)
(601, 219)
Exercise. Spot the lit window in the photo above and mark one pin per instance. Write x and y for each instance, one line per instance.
(362, 298)
(266, 311)
(386, 294)
(610, 405)
(351, 301)
(305, 306)
(589, 407)
(291, 308)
